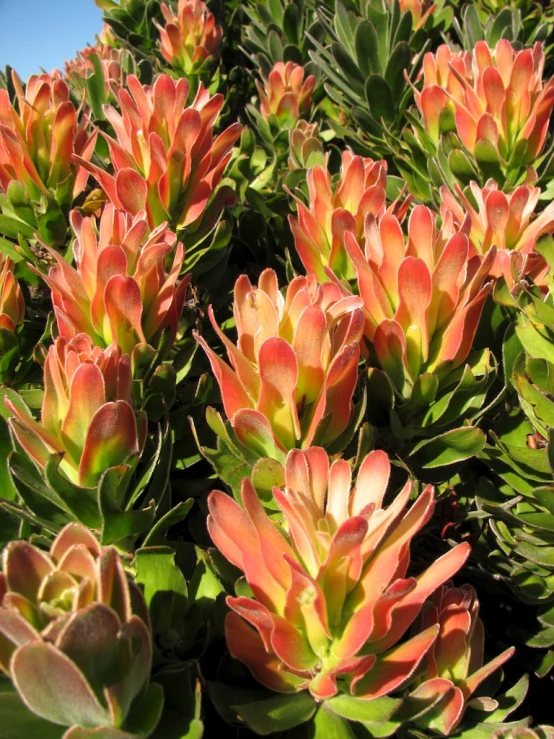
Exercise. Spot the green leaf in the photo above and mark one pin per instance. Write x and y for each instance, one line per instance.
(377, 710)
(182, 705)
(116, 524)
(348, 67)
(342, 25)
(329, 725)
(8, 491)
(460, 165)
(9, 249)
(379, 98)
(510, 700)
(230, 468)
(80, 501)
(292, 24)
(450, 447)
(487, 157)
(12, 227)
(276, 10)
(400, 59)
(291, 53)
(9, 354)
(204, 586)
(424, 392)
(155, 478)
(545, 496)
(52, 226)
(486, 730)
(544, 664)
(542, 556)
(511, 349)
(501, 23)
(38, 497)
(145, 713)
(545, 246)
(275, 46)
(279, 713)
(472, 25)
(366, 44)
(165, 587)
(157, 536)
(96, 88)
(534, 342)
(268, 474)
(18, 722)
(533, 461)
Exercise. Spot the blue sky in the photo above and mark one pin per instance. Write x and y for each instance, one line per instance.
(44, 33)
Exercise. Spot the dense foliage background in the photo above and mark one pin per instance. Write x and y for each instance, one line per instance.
(300, 254)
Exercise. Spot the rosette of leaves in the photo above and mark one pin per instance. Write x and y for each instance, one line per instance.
(521, 23)
(517, 535)
(364, 65)
(282, 31)
(42, 129)
(443, 686)
(519, 540)
(523, 510)
(427, 389)
(75, 641)
(290, 398)
(437, 427)
(529, 348)
(451, 140)
(367, 65)
(520, 501)
(123, 499)
(183, 585)
(131, 22)
(517, 545)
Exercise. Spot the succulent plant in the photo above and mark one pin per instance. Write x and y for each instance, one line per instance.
(191, 39)
(484, 112)
(168, 165)
(120, 289)
(365, 65)
(294, 367)
(335, 207)
(281, 31)
(453, 667)
(87, 414)
(505, 220)
(285, 94)
(330, 600)
(39, 179)
(75, 637)
(306, 148)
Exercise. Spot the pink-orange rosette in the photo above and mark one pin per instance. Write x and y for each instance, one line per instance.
(38, 141)
(166, 159)
(506, 221)
(453, 668)
(493, 98)
(423, 293)
(331, 600)
(87, 413)
(119, 289)
(286, 94)
(294, 366)
(335, 208)
(191, 38)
